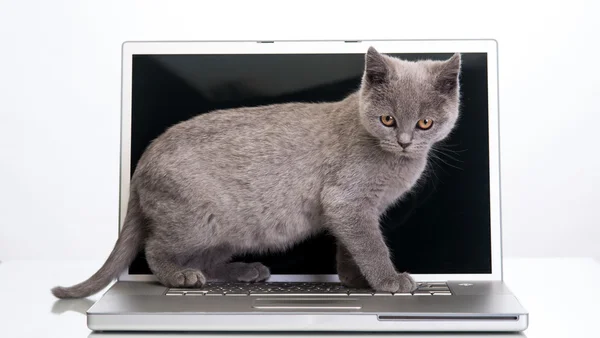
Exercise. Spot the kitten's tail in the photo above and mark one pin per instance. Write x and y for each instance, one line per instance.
(128, 244)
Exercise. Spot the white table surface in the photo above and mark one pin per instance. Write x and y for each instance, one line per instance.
(562, 296)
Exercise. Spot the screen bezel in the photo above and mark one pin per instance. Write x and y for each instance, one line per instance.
(131, 48)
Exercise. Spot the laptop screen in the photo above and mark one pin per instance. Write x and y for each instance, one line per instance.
(442, 227)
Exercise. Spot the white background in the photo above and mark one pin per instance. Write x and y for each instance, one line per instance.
(60, 92)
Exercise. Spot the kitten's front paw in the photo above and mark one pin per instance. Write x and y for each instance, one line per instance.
(401, 283)
(188, 278)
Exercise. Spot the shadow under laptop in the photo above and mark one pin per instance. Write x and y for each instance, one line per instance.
(302, 335)
(76, 305)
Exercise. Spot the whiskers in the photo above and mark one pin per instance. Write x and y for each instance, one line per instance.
(448, 157)
(364, 138)
(390, 146)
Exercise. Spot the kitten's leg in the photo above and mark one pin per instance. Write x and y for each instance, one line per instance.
(169, 270)
(216, 265)
(358, 230)
(347, 269)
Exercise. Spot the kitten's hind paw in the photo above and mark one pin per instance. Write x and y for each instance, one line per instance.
(242, 272)
(252, 272)
(263, 272)
(188, 278)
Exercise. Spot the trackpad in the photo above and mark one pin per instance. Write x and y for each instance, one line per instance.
(306, 304)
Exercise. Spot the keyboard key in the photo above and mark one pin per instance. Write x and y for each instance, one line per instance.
(175, 294)
(433, 284)
(440, 293)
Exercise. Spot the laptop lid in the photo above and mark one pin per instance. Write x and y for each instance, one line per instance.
(448, 228)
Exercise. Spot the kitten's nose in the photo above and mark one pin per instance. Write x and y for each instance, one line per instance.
(404, 140)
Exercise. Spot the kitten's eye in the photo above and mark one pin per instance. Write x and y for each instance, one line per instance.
(387, 120)
(424, 124)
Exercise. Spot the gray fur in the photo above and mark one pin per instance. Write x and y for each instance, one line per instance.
(262, 179)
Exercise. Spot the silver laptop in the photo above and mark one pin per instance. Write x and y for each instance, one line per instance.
(447, 233)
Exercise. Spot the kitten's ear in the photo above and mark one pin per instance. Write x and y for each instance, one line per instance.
(447, 75)
(376, 68)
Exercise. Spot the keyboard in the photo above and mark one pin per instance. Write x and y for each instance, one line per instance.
(301, 289)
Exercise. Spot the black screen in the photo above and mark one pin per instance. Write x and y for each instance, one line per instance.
(442, 227)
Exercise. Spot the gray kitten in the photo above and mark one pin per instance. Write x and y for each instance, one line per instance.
(262, 179)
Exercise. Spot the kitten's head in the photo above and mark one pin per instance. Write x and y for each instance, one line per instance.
(408, 106)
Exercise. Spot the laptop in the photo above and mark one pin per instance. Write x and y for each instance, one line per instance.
(446, 233)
